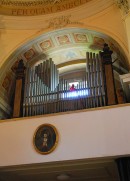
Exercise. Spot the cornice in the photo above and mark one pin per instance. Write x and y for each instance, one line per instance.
(37, 7)
(29, 2)
(43, 21)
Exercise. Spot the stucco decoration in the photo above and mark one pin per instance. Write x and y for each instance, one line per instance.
(97, 43)
(123, 4)
(29, 54)
(80, 37)
(14, 66)
(63, 39)
(8, 85)
(63, 45)
(6, 82)
(46, 44)
(61, 21)
(29, 2)
(37, 7)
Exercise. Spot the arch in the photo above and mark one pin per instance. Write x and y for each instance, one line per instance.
(70, 43)
(9, 59)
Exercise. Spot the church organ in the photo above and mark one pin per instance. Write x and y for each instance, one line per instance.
(44, 93)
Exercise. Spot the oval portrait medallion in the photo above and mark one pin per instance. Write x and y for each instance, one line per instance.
(45, 138)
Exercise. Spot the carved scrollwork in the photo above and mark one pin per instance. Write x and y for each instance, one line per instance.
(61, 21)
(123, 4)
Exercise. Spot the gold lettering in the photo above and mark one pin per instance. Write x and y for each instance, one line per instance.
(48, 9)
(32, 12)
(36, 11)
(58, 8)
(84, 1)
(71, 5)
(14, 12)
(25, 12)
(20, 12)
(42, 11)
(64, 7)
(76, 3)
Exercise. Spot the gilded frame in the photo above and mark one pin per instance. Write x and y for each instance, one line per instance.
(45, 138)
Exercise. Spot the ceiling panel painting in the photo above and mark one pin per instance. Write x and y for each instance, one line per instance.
(63, 39)
(69, 55)
(66, 45)
(46, 44)
(29, 54)
(6, 82)
(63, 46)
(98, 43)
(80, 38)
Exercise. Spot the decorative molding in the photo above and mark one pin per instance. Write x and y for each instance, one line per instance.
(61, 21)
(57, 1)
(5, 108)
(32, 3)
(30, 53)
(46, 44)
(124, 5)
(29, 3)
(37, 7)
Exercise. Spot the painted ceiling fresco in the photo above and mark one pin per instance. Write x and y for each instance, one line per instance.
(64, 46)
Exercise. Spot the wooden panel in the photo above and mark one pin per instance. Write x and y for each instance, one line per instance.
(120, 96)
(17, 100)
(110, 85)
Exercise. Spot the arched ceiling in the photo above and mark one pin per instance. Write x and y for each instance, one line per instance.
(66, 47)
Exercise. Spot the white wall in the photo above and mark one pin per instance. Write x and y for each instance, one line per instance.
(90, 134)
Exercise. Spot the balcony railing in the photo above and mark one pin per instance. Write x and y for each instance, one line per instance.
(63, 101)
(41, 92)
